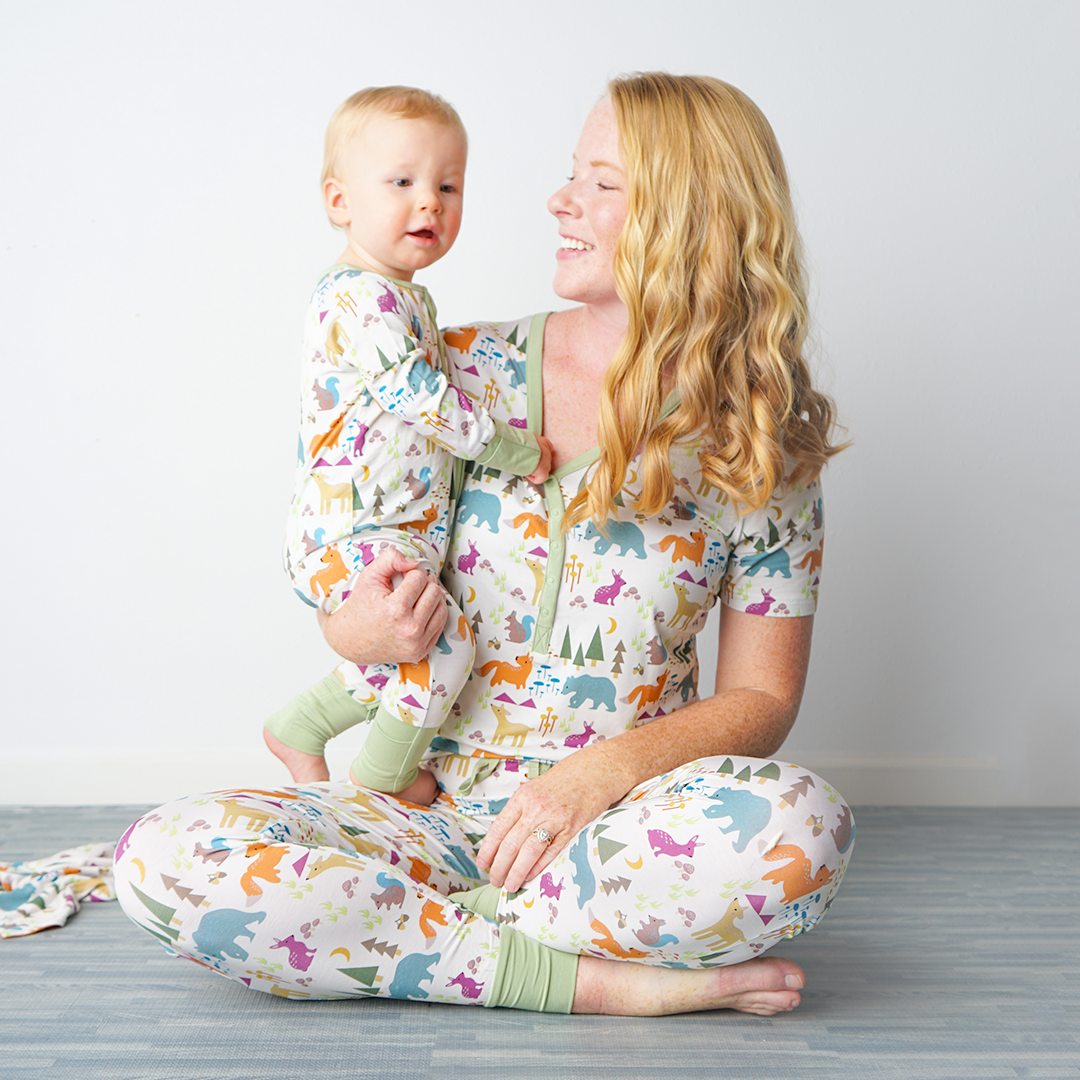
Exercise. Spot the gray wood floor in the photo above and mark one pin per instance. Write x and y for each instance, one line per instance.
(953, 951)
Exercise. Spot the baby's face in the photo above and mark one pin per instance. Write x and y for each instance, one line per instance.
(400, 198)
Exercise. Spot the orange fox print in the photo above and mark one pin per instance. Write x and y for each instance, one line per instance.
(606, 941)
(505, 672)
(649, 692)
(419, 673)
(421, 524)
(431, 913)
(335, 571)
(811, 561)
(692, 549)
(460, 339)
(534, 525)
(264, 866)
(795, 876)
(328, 438)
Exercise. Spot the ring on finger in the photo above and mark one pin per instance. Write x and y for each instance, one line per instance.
(542, 835)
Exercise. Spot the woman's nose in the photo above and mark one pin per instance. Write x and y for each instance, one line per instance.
(560, 202)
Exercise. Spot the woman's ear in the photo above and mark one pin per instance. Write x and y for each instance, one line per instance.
(336, 201)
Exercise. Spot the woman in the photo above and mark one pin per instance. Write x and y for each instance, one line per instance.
(629, 848)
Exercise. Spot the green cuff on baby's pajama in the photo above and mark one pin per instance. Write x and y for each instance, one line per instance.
(391, 753)
(316, 716)
(511, 450)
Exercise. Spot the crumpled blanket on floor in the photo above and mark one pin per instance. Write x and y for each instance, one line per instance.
(39, 894)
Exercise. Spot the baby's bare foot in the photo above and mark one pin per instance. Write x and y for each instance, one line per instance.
(763, 986)
(303, 768)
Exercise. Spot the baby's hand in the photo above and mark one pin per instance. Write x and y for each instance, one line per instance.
(543, 470)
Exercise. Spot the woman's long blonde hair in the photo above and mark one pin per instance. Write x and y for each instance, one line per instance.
(709, 267)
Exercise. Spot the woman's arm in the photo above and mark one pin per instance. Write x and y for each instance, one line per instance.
(760, 676)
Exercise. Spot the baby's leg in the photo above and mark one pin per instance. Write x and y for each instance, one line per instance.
(416, 699)
(298, 734)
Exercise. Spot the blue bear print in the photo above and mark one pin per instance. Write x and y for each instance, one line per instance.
(218, 930)
(624, 534)
(749, 813)
(601, 691)
(482, 505)
(776, 562)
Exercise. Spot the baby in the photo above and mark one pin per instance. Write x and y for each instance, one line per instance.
(379, 420)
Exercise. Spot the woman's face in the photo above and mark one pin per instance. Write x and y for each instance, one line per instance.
(591, 209)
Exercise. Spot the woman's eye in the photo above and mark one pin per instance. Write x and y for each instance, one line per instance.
(604, 187)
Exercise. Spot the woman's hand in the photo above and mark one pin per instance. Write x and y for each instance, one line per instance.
(395, 614)
(563, 801)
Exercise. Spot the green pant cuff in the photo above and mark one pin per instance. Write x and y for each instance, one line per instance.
(529, 975)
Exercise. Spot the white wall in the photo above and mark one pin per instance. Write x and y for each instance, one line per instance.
(160, 231)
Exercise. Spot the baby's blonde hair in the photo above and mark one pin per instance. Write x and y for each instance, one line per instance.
(709, 267)
(397, 102)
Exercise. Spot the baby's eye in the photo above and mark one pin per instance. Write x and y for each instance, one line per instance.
(401, 182)
(447, 189)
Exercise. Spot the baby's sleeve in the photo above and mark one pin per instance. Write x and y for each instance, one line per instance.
(774, 565)
(397, 370)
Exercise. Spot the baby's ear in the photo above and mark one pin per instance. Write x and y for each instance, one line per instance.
(336, 201)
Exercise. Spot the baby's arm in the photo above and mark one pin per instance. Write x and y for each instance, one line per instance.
(398, 372)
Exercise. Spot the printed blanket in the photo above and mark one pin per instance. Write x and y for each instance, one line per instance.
(40, 894)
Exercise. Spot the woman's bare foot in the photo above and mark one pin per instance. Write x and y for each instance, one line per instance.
(762, 986)
(303, 768)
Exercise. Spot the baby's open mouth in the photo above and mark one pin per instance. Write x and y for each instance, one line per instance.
(424, 234)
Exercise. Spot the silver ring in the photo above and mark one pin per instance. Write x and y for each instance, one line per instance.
(542, 835)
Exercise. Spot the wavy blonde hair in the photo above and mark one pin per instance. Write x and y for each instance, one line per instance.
(709, 267)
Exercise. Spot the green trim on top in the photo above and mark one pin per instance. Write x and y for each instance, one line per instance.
(553, 495)
(365, 270)
(534, 379)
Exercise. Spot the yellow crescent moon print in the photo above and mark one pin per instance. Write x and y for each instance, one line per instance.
(472, 595)
(613, 625)
(344, 952)
(142, 869)
(634, 865)
(365, 700)
(633, 476)
(528, 903)
(779, 512)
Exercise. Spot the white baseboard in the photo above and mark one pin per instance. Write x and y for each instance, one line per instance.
(910, 779)
(120, 777)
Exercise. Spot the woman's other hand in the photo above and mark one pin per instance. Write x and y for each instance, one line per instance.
(562, 801)
(394, 615)
(543, 470)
